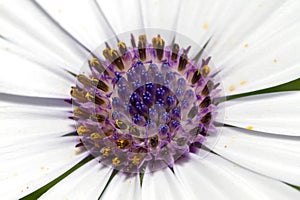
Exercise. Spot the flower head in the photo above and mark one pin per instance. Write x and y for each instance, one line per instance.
(145, 105)
(148, 108)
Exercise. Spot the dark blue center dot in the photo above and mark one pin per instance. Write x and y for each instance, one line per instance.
(147, 98)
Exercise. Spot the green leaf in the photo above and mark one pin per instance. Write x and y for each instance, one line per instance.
(290, 86)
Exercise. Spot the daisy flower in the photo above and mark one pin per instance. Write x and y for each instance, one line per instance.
(149, 99)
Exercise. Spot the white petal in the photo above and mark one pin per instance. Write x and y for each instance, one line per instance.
(81, 18)
(23, 77)
(116, 12)
(27, 123)
(227, 23)
(123, 187)
(157, 15)
(27, 26)
(215, 178)
(274, 156)
(264, 59)
(250, 49)
(162, 185)
(87, 182)
(27, 166)
(277, 113)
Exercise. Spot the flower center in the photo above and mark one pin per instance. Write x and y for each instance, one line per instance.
(143, 107)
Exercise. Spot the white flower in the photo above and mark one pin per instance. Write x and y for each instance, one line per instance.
(254, 45)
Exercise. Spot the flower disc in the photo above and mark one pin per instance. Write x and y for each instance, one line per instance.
(145, 103)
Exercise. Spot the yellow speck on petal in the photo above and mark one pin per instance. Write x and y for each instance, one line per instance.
(243, 82)
(205, 26)
(249, 128)
(42, 167)
(275, 60)
(225, 146)
(232, 88)
(246, 45)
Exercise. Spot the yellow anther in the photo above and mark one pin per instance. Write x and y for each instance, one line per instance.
(116, 161)
(122, 143)
(157, 42)
(110, 54)
(78, 94)
(94, 62)
(205, 70)
(136, 160)
(94, 81)
(118, 123)
(77, 111)
(121, 45)
(198, 72)
(89, 96)
(82, 130)
(142, 38)
(84, 80)
(105, 152)
(95, 136)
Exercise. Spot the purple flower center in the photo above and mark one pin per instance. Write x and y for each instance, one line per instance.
(143, 107)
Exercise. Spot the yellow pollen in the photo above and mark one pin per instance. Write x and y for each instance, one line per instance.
(106, 151)
(77, 111)
(157, 41)
(122, 45)
(89, 96)
(205, 26)
(118, 123)
(232, 88)
(82, 130)
(225, 146)
(275, 60)
(95, 136)
(243, 82)
(205, 70)
(94, 61)
(246, 45)
(116, 161)
(249, 128)
(94, 81)
(77, 94)
(122, 143)
(136, 160)
(143, 38)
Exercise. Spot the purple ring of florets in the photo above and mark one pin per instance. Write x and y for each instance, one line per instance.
(145, 105)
